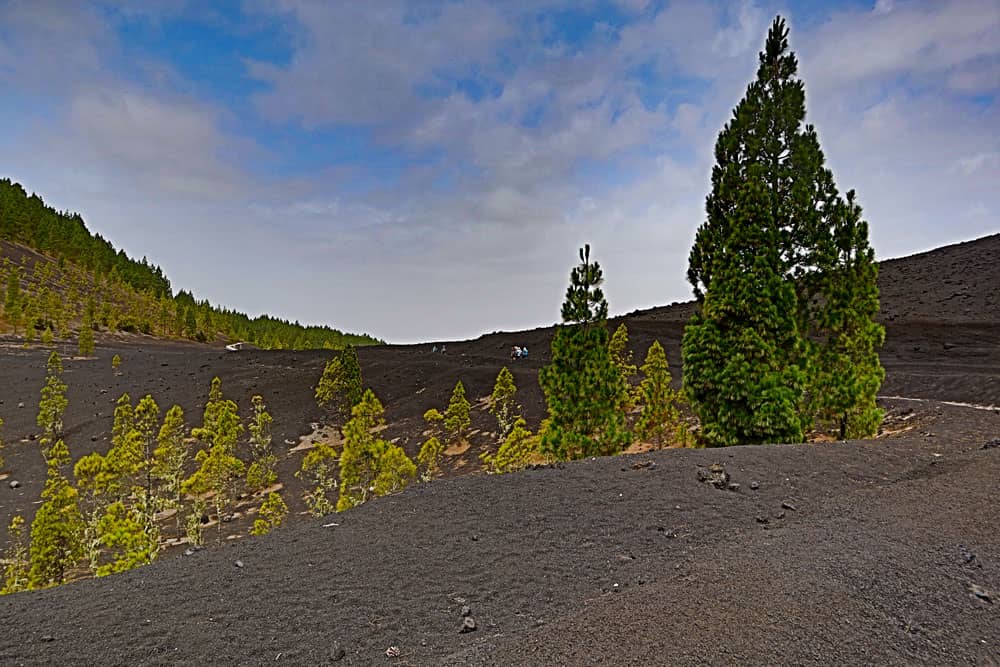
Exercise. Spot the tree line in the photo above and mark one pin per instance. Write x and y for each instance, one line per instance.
(82, 281)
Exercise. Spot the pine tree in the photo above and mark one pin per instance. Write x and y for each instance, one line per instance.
(820, 245)
(261, 474)
(52, 405)
(369, 465)
(116, 361)
(147, 425)
(15, 575)
(456, 418)
(340, 387)
(128, 537)
(739, 352)
(219, 469)
(621, 357)
(502, 403)
(429, 458)
(515, 453)
(169, 458)
(318, 471)
(57, 530)
(582, 387)
(271, 515)
(85, 343)
(659, 422)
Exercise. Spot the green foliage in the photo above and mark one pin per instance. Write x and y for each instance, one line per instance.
(272, 514)
(130, 539)
(429, 456)
(502, 403)
(85, 343)
(819, 269)
(15, 574)
(659, 422)
(13, 305)
(515, 453)
(52, 405)
(135, 295)
(340, 386)
(740, 351)
(116, 361)
(47, 336)
(56, 532)
(621, 357)
(219, 470)
(261, 474)
(582, 387)
(370, 465)
(169, 458)
(456, 418)
(194, 524)
(147, 425)
(318, 471)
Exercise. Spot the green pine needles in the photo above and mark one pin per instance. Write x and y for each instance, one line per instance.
(584, 391)
(786, 339)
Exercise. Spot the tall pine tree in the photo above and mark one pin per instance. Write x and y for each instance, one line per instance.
(817, 249)
(583, 388)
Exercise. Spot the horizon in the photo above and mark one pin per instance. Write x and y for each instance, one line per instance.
(465, 166)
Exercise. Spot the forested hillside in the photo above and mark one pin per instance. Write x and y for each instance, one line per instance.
(56, 277)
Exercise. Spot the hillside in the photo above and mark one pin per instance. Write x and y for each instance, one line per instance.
(57, 277)
(671, 570)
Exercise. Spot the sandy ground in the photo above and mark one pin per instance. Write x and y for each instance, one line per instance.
(846, 553)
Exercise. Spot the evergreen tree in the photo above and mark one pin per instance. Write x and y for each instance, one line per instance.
(515, 453)
(85, 343)
(219, 469)
(456, 418)
(15, 575)
(169, 458)
(340, 386)
(261, 474)
(52, 405)
(128, 537)
(502, 403)
(147, 425)
(116, 361)
(621, 357)
(429, 458)
(659, 422)
(272, 514)
(740, 351)
(582, 387)
(369, 465)
(318, 471)
(57, 530)
(820, 246)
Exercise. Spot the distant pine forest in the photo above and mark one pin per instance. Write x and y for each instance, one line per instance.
(57, 278)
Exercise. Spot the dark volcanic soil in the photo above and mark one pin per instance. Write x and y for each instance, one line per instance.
(609, 561)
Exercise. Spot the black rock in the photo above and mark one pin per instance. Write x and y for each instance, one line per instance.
(14, 484)
(992, 444)
(468, 625)
(754, 485)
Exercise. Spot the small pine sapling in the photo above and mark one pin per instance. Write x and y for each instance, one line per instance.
(502, 403)
(318, 471)
(15, 573)
(57, 530)
(272, 514)
(126, 535)
(456, 417)
(169, 458)
(515, 453)
(659, 422)
(116, 361)
(53, 403)
(261, 474)
(621, 358)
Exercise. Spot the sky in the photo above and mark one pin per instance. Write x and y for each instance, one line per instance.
(427, 170)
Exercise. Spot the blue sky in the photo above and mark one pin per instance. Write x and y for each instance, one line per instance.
(426, 170)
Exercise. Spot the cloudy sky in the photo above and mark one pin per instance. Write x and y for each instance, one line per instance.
(427, 170)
